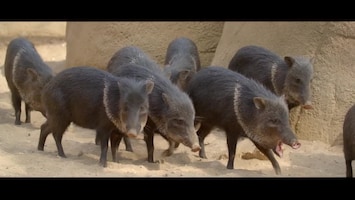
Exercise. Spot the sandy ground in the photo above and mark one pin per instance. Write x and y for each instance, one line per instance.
(19, 156)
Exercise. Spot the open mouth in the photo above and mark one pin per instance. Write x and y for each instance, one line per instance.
(278, 149)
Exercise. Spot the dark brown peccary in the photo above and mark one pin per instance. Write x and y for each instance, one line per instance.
(129, 54)
(182, 60)
(94, 99)
(349, 140)
(290, 76)
(171, 110)
(26, 75)
(241, 107)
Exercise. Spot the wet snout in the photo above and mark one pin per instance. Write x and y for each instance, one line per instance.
(193, 139)
(132, 133)
(295, 144)
(188, 138)
(195, 147)
(305, 98)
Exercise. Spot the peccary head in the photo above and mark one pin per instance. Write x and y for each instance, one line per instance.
(179, 121)
(128, 110)
(272, 125)
(267, 122)
(30, 88)
(297, 88)
(180, 69)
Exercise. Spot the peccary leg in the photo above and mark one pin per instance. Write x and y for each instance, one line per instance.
(45, 131)
(115, 139)
(349, 169)
(28, 113)
(148, 138)
(172, 146)
(97, 139)
(58, 126)
(104, 137)
(270, 155)
(204, 130)
(232, 139)
(128, 144)
(125, 139)
(58, 141)
(16, 102)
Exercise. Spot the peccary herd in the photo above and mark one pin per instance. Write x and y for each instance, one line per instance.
(179, 100)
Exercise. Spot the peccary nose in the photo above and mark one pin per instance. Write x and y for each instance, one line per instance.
(307, 105)
(132, 133)
(195, 147)
(295, 144)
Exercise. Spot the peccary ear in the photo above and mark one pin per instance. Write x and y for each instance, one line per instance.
(283, 97)
(32, 73)
(167, 71)
(166, 98)
(197, 125)
(194, 61)
(184, 74)
(149, 86)
(289, 60)
(259, 102)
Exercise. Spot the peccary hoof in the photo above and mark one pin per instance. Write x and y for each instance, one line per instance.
(167, 153)
(202, 155)
(278, 171)
(103, 165)
(230, 167)
(176, 145)
(17, 122)
(129, 149)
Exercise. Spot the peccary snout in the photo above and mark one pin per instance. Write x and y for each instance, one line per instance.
(293, 143)
(307, 105)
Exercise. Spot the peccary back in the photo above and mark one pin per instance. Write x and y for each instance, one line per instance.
(290, 76)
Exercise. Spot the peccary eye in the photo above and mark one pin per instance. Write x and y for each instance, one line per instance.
(274, 121)
(297, 80)
(143, 109)
(179, 122)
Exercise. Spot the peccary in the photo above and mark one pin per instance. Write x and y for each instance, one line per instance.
(94, 99)
(26, 75)
(241, 107)
(171, 112)
(128, 55)
(131, 55)
(290, 76)
(349, 140)
(181, 61)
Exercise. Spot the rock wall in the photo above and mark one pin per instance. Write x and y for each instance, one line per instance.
(94, 43)
(332, 45)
